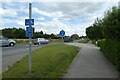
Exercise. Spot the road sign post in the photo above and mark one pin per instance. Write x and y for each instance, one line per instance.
(29, 33)
(28, 21)
(30, 57)
(62, 33)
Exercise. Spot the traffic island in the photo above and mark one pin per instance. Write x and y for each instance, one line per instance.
(47, 62)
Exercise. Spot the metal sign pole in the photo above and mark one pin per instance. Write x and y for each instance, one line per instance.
(62, 33)
(30, 57)
(63, 43)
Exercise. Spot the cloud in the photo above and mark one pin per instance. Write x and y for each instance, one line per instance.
(51, 17)
(72, 10)
(60, 1)
(7, 12)
(36, 10)
(55, 26)
(41, 18)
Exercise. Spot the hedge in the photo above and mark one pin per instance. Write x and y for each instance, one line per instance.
(111, 49)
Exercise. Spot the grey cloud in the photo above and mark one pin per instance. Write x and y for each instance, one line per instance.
(73, 9)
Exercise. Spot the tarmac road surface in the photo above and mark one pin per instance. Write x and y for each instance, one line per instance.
(90, 63)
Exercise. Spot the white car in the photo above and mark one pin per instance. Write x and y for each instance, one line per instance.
(4, 41)
(41, 41)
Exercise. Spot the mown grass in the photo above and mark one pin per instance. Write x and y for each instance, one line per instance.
(111, 49)
(48, 62)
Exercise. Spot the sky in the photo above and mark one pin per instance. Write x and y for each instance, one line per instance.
(52, 16)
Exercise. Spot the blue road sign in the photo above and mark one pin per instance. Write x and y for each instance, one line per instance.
(29, 32)
(27, 22)
(62, 33)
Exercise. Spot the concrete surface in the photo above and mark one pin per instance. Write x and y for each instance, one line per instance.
(90, 63)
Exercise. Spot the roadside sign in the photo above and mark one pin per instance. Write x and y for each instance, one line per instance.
(29, 32)
(62, 33)
(27, 22)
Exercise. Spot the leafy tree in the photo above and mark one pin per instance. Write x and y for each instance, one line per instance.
(111, 22)
(95, 31)
(14, 32)
(41, 32)
(21, 33)
(108, 27)
(75, 36)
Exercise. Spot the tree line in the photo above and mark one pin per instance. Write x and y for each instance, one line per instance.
(21, 34)
(108, 27)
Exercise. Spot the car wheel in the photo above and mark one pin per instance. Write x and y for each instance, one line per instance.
(11, 44)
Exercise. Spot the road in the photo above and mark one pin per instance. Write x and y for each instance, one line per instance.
(90, 63)
(12, 54)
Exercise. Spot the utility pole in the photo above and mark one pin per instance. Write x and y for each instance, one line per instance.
(30, 42)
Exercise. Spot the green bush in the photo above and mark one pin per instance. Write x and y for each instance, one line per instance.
(101, 43)
(93, 41)
(23, 41)
(111, 49)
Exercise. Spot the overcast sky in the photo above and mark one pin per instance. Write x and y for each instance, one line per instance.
(51, 17)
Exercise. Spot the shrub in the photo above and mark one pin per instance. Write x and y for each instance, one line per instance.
(111, 49)
(23, 41)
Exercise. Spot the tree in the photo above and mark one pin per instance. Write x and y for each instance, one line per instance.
(41, 32)
(111, 23)
(75, 37)
(108, 27)
(14, 33)
(95, 31)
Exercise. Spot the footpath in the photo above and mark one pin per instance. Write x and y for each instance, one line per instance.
(90, 63)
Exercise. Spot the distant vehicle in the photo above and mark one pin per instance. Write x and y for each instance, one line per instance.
(4, 41)
(41, 41)
(68, 39)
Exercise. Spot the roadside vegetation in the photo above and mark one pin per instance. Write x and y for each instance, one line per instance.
(48, 62)
(84, 40)
(75, 37)
(111, 49)
(22, 41)
(55, 40)
(26, 41)
(106, 32)
(20, 33)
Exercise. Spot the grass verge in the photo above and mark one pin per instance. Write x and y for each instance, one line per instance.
(48, 62)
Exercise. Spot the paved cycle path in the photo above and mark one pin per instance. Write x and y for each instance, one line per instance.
(90, 63)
